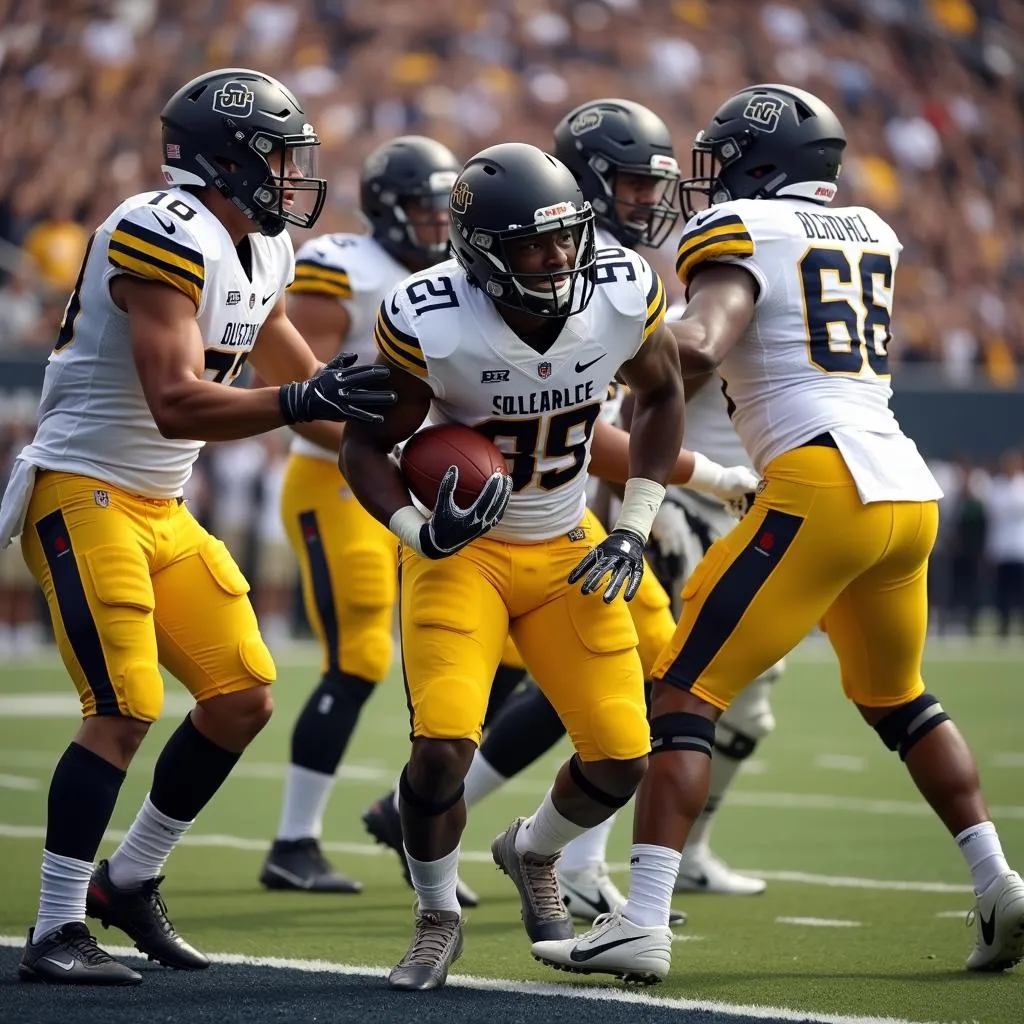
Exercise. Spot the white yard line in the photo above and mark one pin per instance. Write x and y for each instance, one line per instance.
(36, 832)
(818, 922)
(18, 782)
(527, 988)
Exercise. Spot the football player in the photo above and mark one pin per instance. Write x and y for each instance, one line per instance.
(622, 156)
(519, 336)
(179, 287)
(791, 302)
(348, 561)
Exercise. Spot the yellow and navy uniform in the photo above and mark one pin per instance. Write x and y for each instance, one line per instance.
(846, 516)
(540, 410)
(347, 560)
(131, 579)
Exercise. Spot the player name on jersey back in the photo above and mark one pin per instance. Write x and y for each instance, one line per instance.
(93, 415)
(815, 357)
(539, 408)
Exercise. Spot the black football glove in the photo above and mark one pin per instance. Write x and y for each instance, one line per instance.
(451, 528)
(621, 553)
(335, 392)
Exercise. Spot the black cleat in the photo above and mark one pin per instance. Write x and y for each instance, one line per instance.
(436, 945)
(299, 864)
(142, 915)
(384, 823)
(70, 956)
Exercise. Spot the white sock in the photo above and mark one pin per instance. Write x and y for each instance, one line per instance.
(305, 797)
(481, 779)
(146, 847)
(984, 854)
(435, 881)
(589, 849)
(62, 892)
(545, 832)
(652, 877)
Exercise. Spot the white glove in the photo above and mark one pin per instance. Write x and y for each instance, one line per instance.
(669, 529)
(721, 482)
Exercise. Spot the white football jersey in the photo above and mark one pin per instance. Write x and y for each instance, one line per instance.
(814, 358)
(538, 408)
(357, 271)
(93, 416)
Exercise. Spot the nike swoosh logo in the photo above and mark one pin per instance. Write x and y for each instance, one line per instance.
(698, 220)
(288, 876)
(580, 367)
(60, 963)
(267, 298)
(600, 904)
(167, 225)
(701, 880)
(581, 956)
(988, 928)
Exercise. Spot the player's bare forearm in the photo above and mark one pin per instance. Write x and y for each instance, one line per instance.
(609, 457)
(365, 455)
(201, 410)
(656, 430)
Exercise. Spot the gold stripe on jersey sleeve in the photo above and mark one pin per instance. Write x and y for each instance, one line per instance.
(311, 277)
(398, 347)
(656, 306)
(147, 254)
(724, 236)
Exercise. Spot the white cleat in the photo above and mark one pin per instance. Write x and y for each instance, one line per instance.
(615, 946)
(589, 892)
(999, 914)
(702, 871)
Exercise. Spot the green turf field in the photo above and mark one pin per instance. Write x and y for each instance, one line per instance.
(864, 914)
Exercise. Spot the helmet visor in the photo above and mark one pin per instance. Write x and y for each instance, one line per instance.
(292, 191)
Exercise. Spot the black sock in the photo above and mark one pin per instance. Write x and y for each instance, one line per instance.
(506, 679)
(83, 792)
(526, 728)
(189, 770)
(328, 720)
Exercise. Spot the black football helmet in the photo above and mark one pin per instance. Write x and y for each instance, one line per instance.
(513, 191)
(238, 131)
(766, 142)
(408, 170)
(603, 138)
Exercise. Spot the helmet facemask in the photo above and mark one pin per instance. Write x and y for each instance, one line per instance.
(414, 241)
(646, 224)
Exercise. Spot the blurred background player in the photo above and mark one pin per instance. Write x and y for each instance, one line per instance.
(178, 288)
(348, 561)
(793, 300)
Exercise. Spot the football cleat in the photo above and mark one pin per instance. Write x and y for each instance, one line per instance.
(436, 945)
(999, 915)
(614, 946)
(701, 871)
(71, 956)
(544, 914)
(141, 914)
(300, 864)
(384, 823)
(589, 892)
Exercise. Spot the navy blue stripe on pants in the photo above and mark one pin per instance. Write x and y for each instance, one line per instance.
(75, 614)
(323, 589)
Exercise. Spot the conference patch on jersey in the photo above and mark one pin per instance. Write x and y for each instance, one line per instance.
(711, 238)
(398, 347)
(312, 278)
(157, 258)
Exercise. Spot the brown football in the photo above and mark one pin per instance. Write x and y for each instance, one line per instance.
(429, 452)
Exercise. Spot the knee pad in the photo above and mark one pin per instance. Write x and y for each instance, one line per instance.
(682, 731)
(421, 805)
(366, 650)
(618, 731)
(746, 721)
(906, 726)
(595, 792)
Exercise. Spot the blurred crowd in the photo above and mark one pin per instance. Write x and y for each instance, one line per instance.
(930, 92)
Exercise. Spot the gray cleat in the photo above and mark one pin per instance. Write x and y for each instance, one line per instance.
(436, 945)
(544, 915)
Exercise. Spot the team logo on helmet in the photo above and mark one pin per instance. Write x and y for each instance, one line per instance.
(234, 99)
(585, 122)
(764, 112)
(461, 197)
